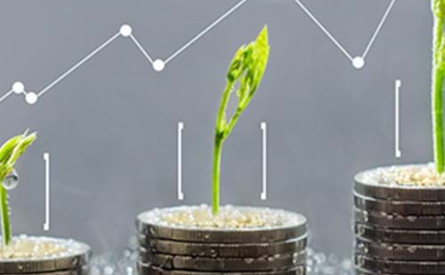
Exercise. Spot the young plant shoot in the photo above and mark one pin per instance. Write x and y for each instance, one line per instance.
(438, 75)
(245, 73)
(10, 152)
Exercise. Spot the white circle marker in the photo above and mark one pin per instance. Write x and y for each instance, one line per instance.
(31, 98)
(358, 62)
(125, 30)
(158, 65)
(18, 87)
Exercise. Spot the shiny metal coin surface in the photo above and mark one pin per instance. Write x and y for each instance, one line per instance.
(400, 236)
(145, 269)
(397, 192)
(150, 224)
(404, 252)
(400, 267)
(392, 221)
(172, 262)
(76, 259)
(66, 272)
(359, 271)
(399, 207)
(213, 250)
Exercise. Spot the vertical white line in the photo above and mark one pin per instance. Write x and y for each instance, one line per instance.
(398, 151)
(180, 130)
(46, 158)
(264, 160)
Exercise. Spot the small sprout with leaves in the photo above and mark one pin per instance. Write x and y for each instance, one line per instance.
(245, 72)
(10, 152)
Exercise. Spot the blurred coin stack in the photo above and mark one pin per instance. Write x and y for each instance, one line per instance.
(193, 251)
(399, 229)
(73, 261)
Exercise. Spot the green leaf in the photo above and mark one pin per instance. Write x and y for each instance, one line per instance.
(438, 7)
(261, 57)
(20, 148)
(236, 66)
(10, 152)
(8, 147)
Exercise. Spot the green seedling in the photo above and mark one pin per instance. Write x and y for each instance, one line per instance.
(438, 74)
(244, 77)
(10, 152)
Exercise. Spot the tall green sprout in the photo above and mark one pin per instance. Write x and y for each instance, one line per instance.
(10, 152)
(438, 74)
(245, 73)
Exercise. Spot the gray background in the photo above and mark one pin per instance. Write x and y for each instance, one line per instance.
(111, 126)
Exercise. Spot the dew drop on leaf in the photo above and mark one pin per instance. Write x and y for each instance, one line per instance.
(11, 181)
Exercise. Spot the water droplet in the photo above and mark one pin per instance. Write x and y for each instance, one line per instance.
(412, 249)
(11, 181)
(248, 260)
(108, 270)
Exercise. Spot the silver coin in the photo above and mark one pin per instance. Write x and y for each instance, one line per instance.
(269, 263)
(402, 267)
(385, 235)
(393, 221)
(145, 269)
(405, 252)
(359, 271)
(399, 207)
(223, 250)
(397, 192)
(71, 260)
(65, 272)
(150, 224)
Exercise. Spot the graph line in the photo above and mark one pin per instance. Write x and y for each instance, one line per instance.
(78, 64)
(323, 28)
(125, 31)
(206, 30)
(5, 96)
(359, 61)
(143, 51)
(379, 28)
(159, 64)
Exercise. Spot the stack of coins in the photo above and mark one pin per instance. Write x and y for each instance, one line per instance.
(399, 229)
(73, 261)
(167, 249)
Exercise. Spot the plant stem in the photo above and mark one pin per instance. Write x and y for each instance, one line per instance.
(216, 174)
(220, 135)
(437, 95)
(438, 120)
(4, 209)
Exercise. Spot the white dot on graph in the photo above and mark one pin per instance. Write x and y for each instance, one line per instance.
(31, 98)
(358, 62)
(125, 30)
(18, 87)
(158, 65)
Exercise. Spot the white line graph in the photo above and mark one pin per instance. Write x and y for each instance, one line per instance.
(125, 31)
(158, 64)
(359, 61)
